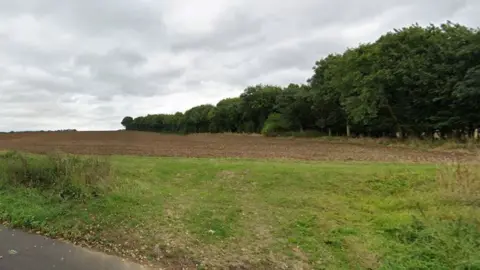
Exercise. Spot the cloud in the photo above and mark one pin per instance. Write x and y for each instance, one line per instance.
(85, 64)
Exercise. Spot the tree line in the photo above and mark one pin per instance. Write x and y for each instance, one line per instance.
(415, 81)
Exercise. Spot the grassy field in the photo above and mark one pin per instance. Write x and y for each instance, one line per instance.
(250, 214)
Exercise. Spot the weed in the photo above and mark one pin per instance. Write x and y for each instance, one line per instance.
(430, 243)
(69, 176)
(459, 182)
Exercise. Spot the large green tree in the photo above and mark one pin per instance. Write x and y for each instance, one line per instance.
(412, 81)
(257, 103)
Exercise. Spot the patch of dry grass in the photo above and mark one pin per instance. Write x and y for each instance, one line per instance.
(460, 182)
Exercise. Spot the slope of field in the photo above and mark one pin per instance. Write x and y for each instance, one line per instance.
(216, 145)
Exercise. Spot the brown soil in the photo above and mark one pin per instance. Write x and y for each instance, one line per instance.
(216, 145)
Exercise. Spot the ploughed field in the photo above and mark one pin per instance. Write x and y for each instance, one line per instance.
(217, 145)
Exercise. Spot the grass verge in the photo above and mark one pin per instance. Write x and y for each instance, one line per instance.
(230, 213)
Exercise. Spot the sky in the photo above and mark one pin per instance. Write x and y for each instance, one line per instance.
(85, 64)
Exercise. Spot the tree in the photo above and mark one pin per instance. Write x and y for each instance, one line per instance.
(227, 115)
(276, 123)
(409, 82)
(257, 103)
(329, 115)
(127, 122)
(295, 105)
(198, 119)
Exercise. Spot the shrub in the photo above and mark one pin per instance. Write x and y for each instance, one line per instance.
(274, 125)
(69, 176)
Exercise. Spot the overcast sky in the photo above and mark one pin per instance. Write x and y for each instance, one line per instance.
(85, 64)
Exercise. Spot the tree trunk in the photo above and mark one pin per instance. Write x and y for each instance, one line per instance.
(348, 129)
(397, 124)
(329, 132)
(399, 132)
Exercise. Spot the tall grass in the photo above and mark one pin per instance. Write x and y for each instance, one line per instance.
(68, 176)
(434, 237)
(460, 183)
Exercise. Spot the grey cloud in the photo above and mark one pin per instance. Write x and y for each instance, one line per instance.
(116, 56)
(117, 71)
(25, 97)
(30, 55)
(279, 21)
(91, 16)
(300, 54)
(86, 63)
(237, 30)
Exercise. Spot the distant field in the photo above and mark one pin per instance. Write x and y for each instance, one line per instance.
(218, 145)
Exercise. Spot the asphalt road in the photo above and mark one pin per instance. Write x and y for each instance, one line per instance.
(24, 251)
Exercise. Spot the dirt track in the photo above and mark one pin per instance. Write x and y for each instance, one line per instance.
(215, 145)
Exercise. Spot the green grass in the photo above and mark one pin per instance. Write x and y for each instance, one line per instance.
(266, 214)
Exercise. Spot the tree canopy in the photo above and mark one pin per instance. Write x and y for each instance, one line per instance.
(412, 81)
